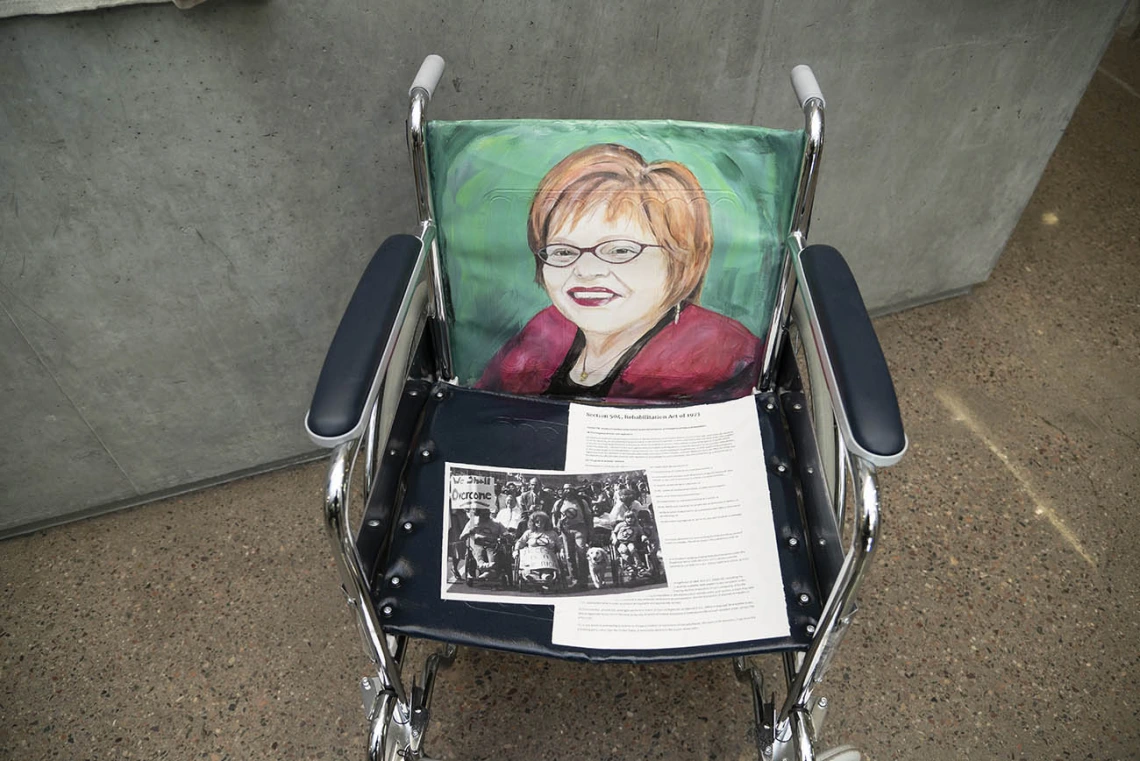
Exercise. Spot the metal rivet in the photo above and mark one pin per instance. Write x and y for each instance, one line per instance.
(822, 702)
(822, 542)
(781, 468)
(810, 628)
(804, 599)
(810, 470)
(373, 523)
(438, 394)
(413, 392)
(793, 542)
(425, 454)
(393, 452)
(797, 406)
(769, 406)
(408, 526)
(396, 581)
(387, 611)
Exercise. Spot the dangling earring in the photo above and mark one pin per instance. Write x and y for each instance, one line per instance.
(677, 313)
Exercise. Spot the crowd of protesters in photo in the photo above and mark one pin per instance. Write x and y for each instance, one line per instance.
(570, 514)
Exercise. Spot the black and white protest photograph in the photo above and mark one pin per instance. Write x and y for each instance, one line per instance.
(526, 534)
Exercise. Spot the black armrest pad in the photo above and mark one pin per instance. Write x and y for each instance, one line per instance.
(354, 356)
(861, 373)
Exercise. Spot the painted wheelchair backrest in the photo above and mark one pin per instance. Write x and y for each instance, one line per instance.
(512, 327)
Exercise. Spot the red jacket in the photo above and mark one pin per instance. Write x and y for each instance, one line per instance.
(703, 356)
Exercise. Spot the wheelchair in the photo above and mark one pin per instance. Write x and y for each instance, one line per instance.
(430, 365)
(633, 557)
(497, 572)
(542, 569)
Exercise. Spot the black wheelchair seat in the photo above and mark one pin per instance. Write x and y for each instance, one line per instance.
(443, 423)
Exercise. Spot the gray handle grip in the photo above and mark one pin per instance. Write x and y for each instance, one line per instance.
(805, 85)
(431, 70)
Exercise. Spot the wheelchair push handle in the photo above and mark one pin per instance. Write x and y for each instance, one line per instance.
(805, 85)
(431, 71)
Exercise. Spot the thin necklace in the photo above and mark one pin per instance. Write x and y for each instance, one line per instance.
(584, 374)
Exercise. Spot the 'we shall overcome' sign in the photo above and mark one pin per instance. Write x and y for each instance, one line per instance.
(471, 491)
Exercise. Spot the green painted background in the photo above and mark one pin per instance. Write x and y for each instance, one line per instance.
(484, 174)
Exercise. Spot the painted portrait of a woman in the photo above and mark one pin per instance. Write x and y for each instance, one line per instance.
(622, 247)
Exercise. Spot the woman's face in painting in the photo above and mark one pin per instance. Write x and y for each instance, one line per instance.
(605, 298)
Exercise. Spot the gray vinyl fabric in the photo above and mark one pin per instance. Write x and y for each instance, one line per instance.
(187, 198)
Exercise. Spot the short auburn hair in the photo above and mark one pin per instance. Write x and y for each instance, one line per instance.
(664, 193)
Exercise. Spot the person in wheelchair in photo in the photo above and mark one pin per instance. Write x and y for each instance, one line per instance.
(539, 552)
(484, 539)
(633, 547)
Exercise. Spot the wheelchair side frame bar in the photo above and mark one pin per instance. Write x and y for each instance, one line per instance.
(791, 733)
(801, 221)
(417, 147)
(353, 581)
(840, 606)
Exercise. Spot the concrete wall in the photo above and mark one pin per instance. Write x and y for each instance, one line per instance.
(186, 198)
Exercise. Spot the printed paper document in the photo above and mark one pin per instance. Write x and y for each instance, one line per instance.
(705, 467)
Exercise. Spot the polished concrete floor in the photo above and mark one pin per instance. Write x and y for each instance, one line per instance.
(1000, 622)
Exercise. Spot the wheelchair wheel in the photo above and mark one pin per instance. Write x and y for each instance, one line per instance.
(615, 569)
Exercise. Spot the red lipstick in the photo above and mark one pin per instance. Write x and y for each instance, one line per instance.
(592, 296)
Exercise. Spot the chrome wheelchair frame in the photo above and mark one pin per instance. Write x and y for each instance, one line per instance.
(398, 709)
